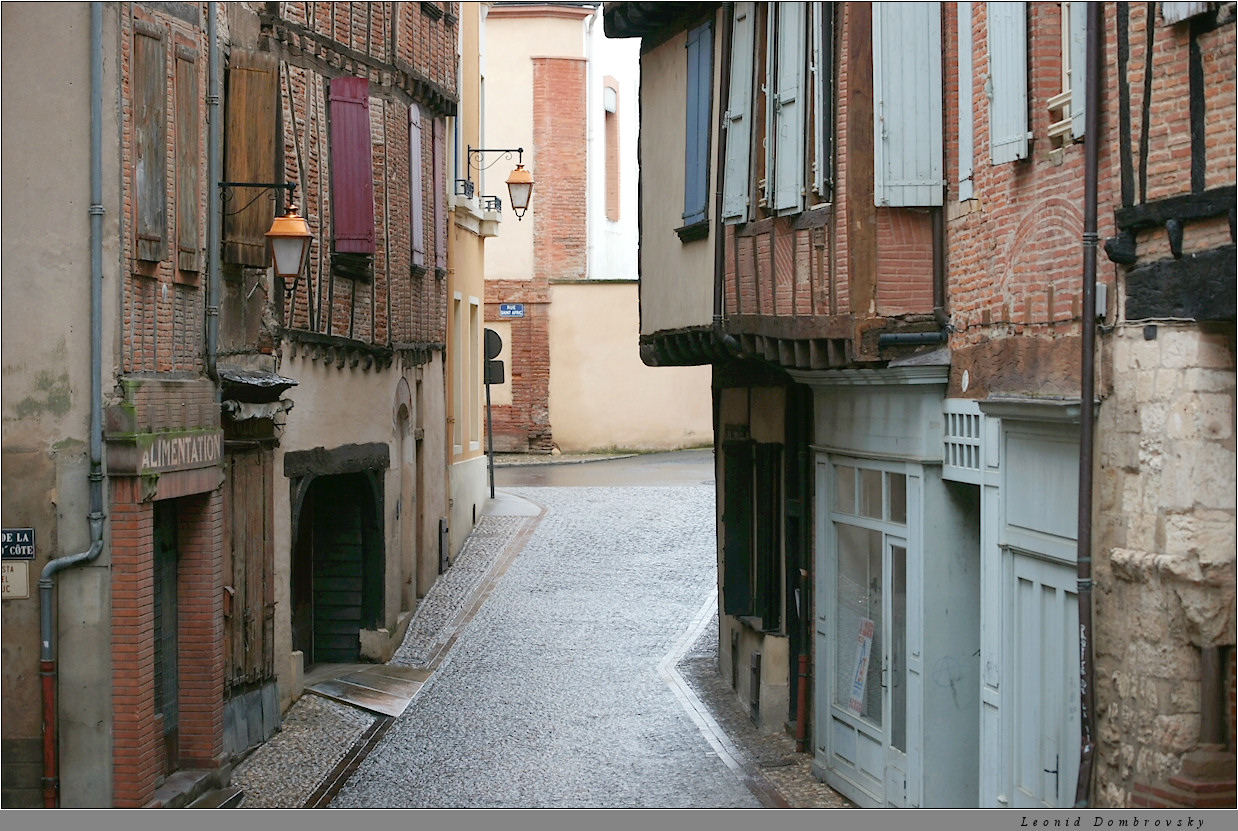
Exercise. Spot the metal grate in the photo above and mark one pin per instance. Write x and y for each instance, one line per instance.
(963, 456)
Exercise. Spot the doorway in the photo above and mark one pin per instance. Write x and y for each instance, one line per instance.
(167, 640)
(337, 574)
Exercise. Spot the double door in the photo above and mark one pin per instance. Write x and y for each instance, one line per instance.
(863, 650)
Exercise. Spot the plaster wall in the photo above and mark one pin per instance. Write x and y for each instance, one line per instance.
(351, 407)
(601, 395)
(45, 342)
(676, 277)
(513, 38)
(612, 243)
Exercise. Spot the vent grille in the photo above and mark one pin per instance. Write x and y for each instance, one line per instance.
(963, 457)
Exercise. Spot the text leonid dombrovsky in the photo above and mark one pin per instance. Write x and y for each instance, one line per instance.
(1112, 822)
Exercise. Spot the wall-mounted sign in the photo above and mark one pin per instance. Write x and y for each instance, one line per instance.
(147, 453)
(859, 677)
(14, 580)
(17, 543)
(511, 310)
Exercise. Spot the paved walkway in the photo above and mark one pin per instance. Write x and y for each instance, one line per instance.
(572, 666)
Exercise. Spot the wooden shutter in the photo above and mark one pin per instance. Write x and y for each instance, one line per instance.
(737, 523)
(1007, 82)
(188, 163)
(907, 104)
(735, 199)
(417, 193)
(697, 108)
(790, 30)
(352, 168)
(440, 193)
(967, 144)
(150, 158)
(249, 154)
(1078, 66)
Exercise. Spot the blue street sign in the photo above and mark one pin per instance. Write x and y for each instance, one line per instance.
(511, 310)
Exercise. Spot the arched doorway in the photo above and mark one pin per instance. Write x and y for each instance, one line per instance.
(337, 568)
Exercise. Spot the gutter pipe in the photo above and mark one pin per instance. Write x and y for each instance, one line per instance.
(47, 651)
(214, 146)
(1087, 383)
(723, 338)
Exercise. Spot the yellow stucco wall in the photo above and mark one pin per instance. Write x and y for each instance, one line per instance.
(601, 395)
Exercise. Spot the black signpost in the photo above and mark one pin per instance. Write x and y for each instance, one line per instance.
(494, 375)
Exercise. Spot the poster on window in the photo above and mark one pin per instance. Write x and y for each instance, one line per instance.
(859, 677)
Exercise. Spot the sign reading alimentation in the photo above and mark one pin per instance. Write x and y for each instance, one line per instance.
(511, 310)
(17, 548)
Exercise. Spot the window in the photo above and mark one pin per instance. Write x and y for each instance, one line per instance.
(150, 160)
(188, 194)
(1066, 108)
(1007, 84)
(697, 107)
(823, 98)
(440, 197)
(907, 92)
(352, 178)
(752, 512)
(416, 186)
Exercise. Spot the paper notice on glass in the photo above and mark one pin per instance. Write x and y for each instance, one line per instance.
(863, 650)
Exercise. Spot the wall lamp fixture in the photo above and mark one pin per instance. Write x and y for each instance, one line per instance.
(519, 183)
(290, 235)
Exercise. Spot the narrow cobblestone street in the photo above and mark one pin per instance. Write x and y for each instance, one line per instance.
(574, 666)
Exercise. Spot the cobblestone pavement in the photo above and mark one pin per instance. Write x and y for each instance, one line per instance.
(580, 681)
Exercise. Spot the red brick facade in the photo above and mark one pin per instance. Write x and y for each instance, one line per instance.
(560, 250)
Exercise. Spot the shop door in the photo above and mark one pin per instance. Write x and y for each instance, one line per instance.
(865, 638)
(167, 682)
(1042, 656)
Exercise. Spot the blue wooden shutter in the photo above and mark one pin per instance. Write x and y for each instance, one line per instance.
(1078, 66)
(1007, 81)
(788, 106)
(735, 197)
(352, 169)
(907, 108)
(696, 160)
(416, 185)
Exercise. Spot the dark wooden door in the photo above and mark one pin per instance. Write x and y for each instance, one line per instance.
(167, 687)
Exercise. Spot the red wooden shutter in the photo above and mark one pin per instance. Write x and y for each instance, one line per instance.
(440, 191)
(150, 158)
(352, 170)
(187, 162)
(249, 154)
(416, 185)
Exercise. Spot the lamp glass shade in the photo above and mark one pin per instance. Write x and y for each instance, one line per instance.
(289, 239)
(520, 188)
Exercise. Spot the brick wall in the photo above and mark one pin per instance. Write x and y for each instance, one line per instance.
(560, 243)
(138, 757)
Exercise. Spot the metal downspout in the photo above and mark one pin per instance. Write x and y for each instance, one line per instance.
(722, 338)
(214, 145)
(47, 651)
(1087, 383)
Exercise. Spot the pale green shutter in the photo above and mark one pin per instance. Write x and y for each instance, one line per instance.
(1007, 81)
(735, 200)
(788, 107)
(907, 89)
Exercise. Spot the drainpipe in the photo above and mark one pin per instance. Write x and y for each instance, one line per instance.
(1087, 383)
(721, 337)
(47, 652)
(214, 145)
